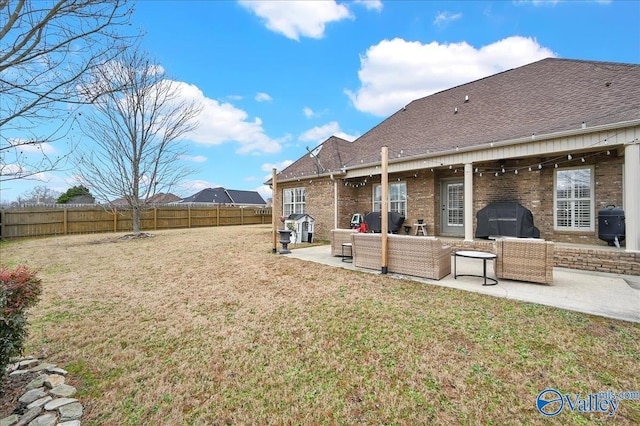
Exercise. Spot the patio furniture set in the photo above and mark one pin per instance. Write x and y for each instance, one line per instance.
(521, 259)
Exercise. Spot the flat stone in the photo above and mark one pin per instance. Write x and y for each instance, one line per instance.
(28, 416)
(19, 372)
(54, 380)
(48, 419)
(42, 367)
(57, 370)
(58, 402)
(63, 390)
(70, 423)
(27, 363)
(38, 382)
(32, 395)
(10, 421)
(39, 402)
(71, 411)
(12, 367)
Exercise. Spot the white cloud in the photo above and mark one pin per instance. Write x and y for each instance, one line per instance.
(294, 19)
(370, 4)
(194, 158)
(319, 134)
(32, 148)
(235, 97)
(223, 122)
(394, 72)
(11, 169)
(262, 97)
(265, 191)
(443, 18)
(268, 167)
(308, 112)
(190, 187)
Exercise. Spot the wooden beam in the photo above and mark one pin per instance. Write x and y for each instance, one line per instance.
(274, 216)
(384, 210)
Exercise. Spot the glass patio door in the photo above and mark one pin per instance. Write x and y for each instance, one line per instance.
(452, 199)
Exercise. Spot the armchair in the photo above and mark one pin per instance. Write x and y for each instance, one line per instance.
(524, 259)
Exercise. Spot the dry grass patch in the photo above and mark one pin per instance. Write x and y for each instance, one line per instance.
(206, 326)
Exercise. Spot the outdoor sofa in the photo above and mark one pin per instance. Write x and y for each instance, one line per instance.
(524, 259)
(425, 257)
(338, 237)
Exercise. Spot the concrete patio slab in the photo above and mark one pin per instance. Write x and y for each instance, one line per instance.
(606, 295)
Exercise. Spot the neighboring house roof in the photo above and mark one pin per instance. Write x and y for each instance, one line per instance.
(163, 198)
(220, 195)
(544, 97)
(246, 197)
(159, 198)
(82, 199)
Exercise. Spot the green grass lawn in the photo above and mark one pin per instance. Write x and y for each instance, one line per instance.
(206, 326)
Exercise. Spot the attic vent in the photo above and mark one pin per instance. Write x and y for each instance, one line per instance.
(455, 110)
(466, 98)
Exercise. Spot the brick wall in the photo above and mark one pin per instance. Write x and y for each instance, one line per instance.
(533, 189)
(594, 259)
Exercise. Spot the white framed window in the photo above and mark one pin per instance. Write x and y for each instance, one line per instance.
(397, 198)
(573, 199)
(293, 201)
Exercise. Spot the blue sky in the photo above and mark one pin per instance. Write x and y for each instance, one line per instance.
(277, 77)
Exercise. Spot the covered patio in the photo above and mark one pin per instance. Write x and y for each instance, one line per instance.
(607, 295)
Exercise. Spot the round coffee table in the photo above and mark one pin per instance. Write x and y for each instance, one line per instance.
(474, 255)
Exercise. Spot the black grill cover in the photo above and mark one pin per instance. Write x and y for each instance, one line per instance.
(505, 219)
(374, 221)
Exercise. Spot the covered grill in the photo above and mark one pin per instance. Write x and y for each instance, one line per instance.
(374, 221)
(611, 226)
(505, 219)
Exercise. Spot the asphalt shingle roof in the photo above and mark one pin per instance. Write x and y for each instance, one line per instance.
(220, 195)
(543, 97)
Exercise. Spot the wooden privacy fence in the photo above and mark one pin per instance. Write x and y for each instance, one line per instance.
(43, 221)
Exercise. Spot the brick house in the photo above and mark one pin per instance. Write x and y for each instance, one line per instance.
(561, 137)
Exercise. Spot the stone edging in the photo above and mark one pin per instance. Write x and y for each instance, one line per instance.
(47, 400)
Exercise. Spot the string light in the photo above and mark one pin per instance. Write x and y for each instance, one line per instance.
(555, 161)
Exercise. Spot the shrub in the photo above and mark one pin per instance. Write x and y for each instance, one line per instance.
(19, 291)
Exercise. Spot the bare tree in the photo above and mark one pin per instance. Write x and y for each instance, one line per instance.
(136, 126)
(47, 48)
(40, 195)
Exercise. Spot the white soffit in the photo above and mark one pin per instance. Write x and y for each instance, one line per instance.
(521, 148)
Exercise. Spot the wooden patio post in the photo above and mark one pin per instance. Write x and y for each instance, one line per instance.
(274, 218)
(384, 210)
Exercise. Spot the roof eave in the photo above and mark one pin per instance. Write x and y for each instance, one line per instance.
(500, 144)
(330, 175)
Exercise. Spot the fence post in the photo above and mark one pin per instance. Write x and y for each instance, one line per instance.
(155, 218)
(241, 216)
(2, 219)
(189, 214)
(218, 215)
(64, 220)
(115, 219)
